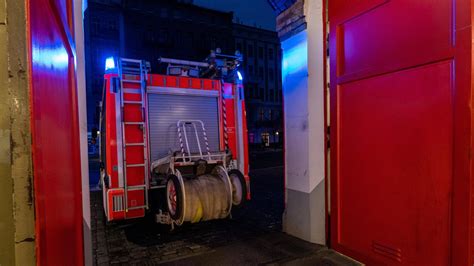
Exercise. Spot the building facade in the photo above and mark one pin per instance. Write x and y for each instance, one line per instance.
(262, 80)
(148, 30)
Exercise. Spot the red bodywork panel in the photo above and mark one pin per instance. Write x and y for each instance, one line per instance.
(401, 130)
(55, 134)
(134, 155)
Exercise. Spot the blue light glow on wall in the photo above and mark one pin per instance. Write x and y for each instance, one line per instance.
(295, 55)
(109, 63)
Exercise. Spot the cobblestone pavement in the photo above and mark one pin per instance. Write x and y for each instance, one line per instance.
(253, 235)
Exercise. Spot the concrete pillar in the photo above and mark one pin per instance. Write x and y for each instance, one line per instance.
(17, 224)
(301, 28)
(17, 218)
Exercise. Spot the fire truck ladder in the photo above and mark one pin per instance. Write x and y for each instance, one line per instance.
(129, 69)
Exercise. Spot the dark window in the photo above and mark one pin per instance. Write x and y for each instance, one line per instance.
(260, 72)
(189, 39)
(260, 52)
(95, 56)
(177, 14)
(251, 137)
(270, 54)
(250, 70)
(272, 95)
(163, 36)
(149, 35)
(260, 92)
(97, 84)
(113, 25)
(203, 39)
(214, 42)
(164, 13)
(247, 93)
(95, 27)
(250, 50)
(271, 74)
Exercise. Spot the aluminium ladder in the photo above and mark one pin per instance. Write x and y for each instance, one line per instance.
(129, 68)
(184, 145)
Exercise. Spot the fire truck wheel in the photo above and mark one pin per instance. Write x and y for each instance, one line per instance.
(174, 197)
(239, 188)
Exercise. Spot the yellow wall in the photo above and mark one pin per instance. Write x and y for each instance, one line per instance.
(17, 234)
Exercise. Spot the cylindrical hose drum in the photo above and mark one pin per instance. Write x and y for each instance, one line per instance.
(203, 198)
(206, 199)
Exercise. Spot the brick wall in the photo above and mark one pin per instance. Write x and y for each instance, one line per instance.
(291, 21)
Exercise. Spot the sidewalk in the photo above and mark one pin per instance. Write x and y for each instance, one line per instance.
(269, 249)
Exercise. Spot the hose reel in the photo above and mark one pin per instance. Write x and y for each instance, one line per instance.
(205, 197)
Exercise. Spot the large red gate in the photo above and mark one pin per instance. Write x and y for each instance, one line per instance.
(401, 131)
(55, 133)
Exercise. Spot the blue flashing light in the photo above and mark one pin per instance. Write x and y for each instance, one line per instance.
(240, 76)
(109, 63)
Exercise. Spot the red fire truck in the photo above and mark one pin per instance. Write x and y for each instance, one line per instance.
(175, 144)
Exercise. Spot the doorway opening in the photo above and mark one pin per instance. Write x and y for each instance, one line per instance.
(115, 33)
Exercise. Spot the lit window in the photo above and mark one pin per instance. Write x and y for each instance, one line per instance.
(266, 139)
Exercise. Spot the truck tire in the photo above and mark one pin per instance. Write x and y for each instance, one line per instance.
(239, 188)
(174, 197)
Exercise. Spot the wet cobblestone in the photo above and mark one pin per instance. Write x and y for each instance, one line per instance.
(143, 242)
(252, 237)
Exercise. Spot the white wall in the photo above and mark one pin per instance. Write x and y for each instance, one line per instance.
(316, 87)
(79, 8)
(303, 92)
(295, 94)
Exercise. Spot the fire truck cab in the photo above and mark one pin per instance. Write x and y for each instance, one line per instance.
(175, 144)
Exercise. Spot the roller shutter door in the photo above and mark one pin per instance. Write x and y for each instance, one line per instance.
(164, 111)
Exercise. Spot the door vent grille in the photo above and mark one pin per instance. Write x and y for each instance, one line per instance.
(118, 203)
(387, 251)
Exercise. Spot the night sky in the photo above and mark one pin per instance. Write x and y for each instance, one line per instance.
(249, 12)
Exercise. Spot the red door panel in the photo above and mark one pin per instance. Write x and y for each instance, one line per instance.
(400, 116)
(382, 165)
(391, 30)
(55, 133)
